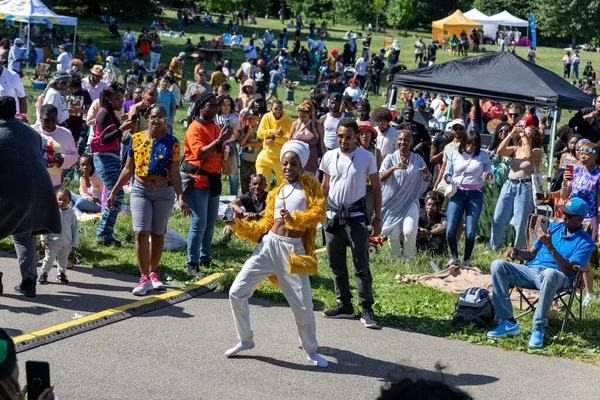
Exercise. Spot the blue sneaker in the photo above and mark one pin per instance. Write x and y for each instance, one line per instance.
(505, 328)
(536, 340)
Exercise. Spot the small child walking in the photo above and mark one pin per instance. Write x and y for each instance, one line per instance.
(58, 246)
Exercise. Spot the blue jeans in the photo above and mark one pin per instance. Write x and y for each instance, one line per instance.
(84, 205)
(547, 280)
(108, 166)
(516, 199)
(469, 201)
(575, 71)
(205, 211)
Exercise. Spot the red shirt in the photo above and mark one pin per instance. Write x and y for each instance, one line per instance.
(197, 136)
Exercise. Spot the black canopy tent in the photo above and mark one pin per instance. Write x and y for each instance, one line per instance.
(502, 77)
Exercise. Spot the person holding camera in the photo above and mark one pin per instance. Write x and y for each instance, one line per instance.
(516, 197)
(204, 146)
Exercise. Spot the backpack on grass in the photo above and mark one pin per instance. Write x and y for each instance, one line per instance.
(474, 305)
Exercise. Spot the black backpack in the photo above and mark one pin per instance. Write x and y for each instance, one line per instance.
(474, 305)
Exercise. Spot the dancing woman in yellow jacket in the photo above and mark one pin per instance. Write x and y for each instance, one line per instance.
(274, 131)
(288, 227)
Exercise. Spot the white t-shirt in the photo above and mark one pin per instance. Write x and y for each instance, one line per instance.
(54, 97)
(387, 142)
(348, 174)
(250, 51)
(63, 61)
(11, 85)
(361, 66)
(129, 38)
(355, 93)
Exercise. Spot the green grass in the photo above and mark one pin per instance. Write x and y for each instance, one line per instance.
(407, 306)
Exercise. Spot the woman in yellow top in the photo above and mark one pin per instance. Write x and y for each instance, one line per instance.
(274, 131)
(288, 227)
(154, 156)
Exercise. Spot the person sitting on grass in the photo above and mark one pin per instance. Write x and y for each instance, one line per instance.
(90, 186)
(249, 206)
(432, 225)
(550, 267)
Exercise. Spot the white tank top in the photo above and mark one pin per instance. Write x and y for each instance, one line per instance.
(290, 197)
(330, 131)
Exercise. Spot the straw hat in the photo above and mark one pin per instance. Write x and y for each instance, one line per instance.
(97, 70)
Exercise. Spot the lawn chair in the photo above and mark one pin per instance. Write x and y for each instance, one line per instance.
(565, 296)
(42, 76)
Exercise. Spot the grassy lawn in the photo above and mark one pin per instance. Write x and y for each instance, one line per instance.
(413, 307)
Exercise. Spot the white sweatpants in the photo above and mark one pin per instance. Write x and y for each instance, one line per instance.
(59, 253)
(154, 60)
(271, 257)
(408, 226)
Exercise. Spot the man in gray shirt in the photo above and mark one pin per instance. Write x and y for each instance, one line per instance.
(196, 89)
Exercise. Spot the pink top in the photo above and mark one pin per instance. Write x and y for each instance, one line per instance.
(95, 188)
(58, 142)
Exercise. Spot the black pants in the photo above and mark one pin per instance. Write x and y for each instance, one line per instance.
(25, 249)
(419, 57)
(355, 235)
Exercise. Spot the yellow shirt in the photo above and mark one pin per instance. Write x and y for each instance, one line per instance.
(268, 126)
(154, 156)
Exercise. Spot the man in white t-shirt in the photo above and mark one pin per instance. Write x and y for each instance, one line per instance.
(63, 59)
(361, 71)
(345, 173)
(387, 135)
(12, 85)
(250, 50)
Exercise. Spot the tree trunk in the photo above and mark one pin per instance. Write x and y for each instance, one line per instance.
(573, 38)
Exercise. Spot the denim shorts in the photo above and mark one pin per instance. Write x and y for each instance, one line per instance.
(151, 207)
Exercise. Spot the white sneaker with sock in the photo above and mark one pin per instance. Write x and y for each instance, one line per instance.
(241, 346)
(589, 297)
(317, 359)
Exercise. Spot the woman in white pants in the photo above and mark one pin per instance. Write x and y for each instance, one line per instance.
(404, 178)
(288, 227)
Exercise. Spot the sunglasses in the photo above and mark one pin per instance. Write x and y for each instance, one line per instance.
(302, 109)
(345, 137)
(458, 128)
(586, 150)
(514, 115)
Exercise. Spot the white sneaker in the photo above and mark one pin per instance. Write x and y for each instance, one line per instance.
(156, 283)
(589, 297)
(143, 287)
(453, 262)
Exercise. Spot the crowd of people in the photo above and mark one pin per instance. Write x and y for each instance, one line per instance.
(421, 177)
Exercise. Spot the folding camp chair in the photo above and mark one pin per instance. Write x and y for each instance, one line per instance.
(42, 76)
(567, 295)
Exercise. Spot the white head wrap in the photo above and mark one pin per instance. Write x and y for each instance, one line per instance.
(298, 147)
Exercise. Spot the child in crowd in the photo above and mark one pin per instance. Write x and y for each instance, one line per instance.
(290, 87)
(58, 246)
(347, 107)
(432, 225)
(353, 90)
(167, 99)
(90, 187)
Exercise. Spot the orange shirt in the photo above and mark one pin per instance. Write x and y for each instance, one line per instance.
(196, 137)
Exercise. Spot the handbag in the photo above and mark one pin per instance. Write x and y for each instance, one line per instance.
(452, 187)
(302, 264)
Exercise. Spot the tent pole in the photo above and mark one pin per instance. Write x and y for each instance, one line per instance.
(75, 39)
(552, 141)
(29, 39)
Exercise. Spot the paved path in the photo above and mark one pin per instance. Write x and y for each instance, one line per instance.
(177, 353)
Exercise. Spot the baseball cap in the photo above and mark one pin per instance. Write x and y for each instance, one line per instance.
(19, 41)
(575, 206)
(201, 72)
(335, 96)
(182, 54)
(64, 46)
(457, 121)
(253, 112)
(407, 108)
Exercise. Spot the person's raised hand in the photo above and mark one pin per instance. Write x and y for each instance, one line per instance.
(226, 134)
(127, 125)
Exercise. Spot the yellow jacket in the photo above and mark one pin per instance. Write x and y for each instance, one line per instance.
(303, 221)
(268, 126)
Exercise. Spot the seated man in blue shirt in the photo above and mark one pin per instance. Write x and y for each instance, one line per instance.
(549, 269)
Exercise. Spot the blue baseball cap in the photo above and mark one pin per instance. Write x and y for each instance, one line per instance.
(575, 206)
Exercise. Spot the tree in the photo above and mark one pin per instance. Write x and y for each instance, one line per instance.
(570, 19)
(363, 11)
(401, 13)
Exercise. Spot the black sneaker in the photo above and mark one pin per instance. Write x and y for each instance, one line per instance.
(26, 288)
(43, 279)
(341, 311)
(111, 242)
(192, 269)
(208, 264)
(367, 317)
(1, 286)
(225, 239)
(62, 278)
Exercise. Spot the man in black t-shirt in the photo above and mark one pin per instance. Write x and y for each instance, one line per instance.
(250, 206)
(78, 102)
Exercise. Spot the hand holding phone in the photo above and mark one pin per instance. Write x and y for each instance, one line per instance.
(569, 172)
(544, 224)
(38, 378)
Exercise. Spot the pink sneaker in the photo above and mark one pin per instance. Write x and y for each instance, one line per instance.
(156, 283)
(143, 287)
